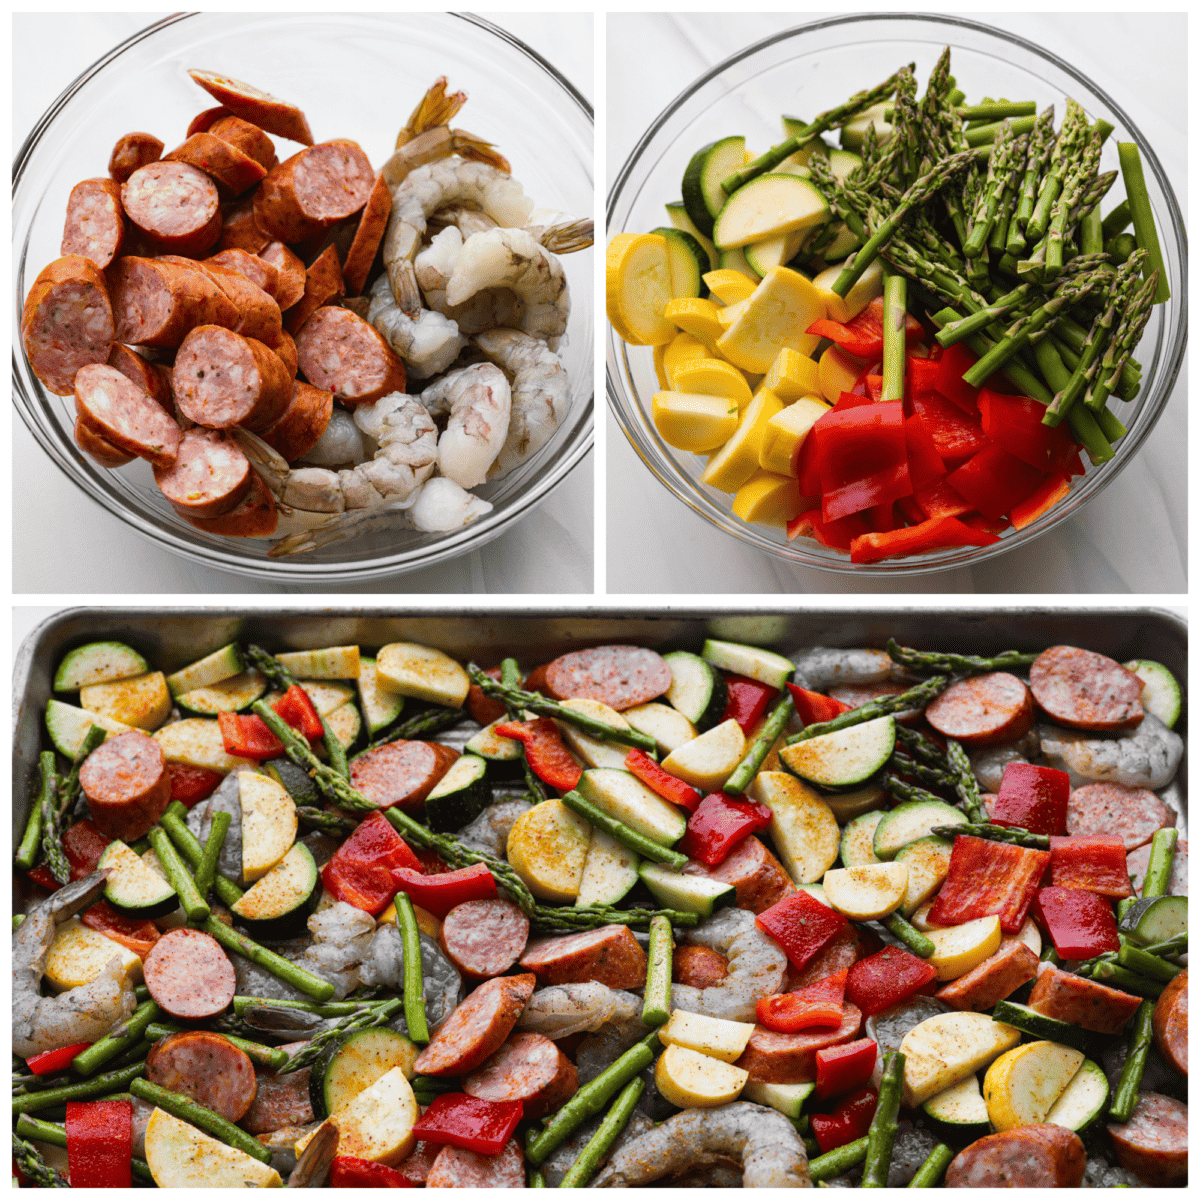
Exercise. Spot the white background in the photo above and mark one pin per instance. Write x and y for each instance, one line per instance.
(63, 542)
(1132, 538)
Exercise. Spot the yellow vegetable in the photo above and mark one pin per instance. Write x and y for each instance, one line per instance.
(793, 375)
(803, 828)
(767, 499)
(731, 312)
(690, 1080)
(869, 285)
(700, 318)
(729, 286)
(681, 349)
(866, 893)
(783, 306)
(837, 373)
(377, 1124)
(143, 702)
(946, 1048)
(421, 672)
(638, 287)
(592, 751)
(660, 367)
(714, 1036)
(707, 761)
(426, 922)
(712, 377)
(961, 948)
(1021, 1086)
(180, 1156)
(737, 460)
(77, 955)
(785, 434)
(269, 823)
(547, 847)
(691, 422)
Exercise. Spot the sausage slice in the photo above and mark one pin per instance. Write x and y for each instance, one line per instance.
(1153, 1143)
(529, 1068)
(983, 710)
(207, 1067)
(610, 955)
(484, 938)
(96, 447)
(1034, 1156)
(1085, 690)
(401, 773)
(253, 104)
(465, 1169)
(340, 352)
(175, 205)
(230, 168)
(158, 302)
(698, 966)
(792, 1057)
(95, 224)
(620, 676)
(367, 237)
(221, 379)
(314, 189)
(755, 873)
(127, 785)
(303, 421)
(477, 1028)
(323, 282)
(210, 477)
(1132, 814)
(1170, 1023)
(133, 151)
(67, 321)
(1081, 1002)
(189, 976)
(256, 516)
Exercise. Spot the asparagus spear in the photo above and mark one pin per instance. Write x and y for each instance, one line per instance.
(1143, 216)
(1070, 141)
(334, 1036)
(1041, 146)
(52, 850)
(996, 833)
(33, 1166)
(882, 1137)
(326, 822)
(421, 725)
(915, 697)
(1078, 176)
(1133, 321)
(944, 663)
(1125, 1098)
(901, 764)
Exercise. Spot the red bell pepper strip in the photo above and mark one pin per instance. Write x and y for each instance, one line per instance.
(861, 457)
(53, 1061)
(135, 935)
(875, 388)
(348, 1172)
(939, 499)
(360, 872)
(190, 785)
(1080, 924)
(748, 700)
(1091, 862)
(1033, 798)
(860, 384)
(819, 1004)
(247, 736)
(719, 824)
(438, 894)
(992, 481)
(937, 533)
(812, 708)
(1015, 424)
(82, 843)
(295, 706)
(992, 525)
(100, 1143)
(802, 926)
(639, 763)
(845, 1068)
(862, 336)
(849, 1120)
(547, 754)
(837, 535)
(886, 978)
(989, 878)
(956, 434)
(921, 375)
(1040, 501)
(854, 399)
(883, 519)
(955, 362)
(460, 1120)
(924, 463)
(910, 510)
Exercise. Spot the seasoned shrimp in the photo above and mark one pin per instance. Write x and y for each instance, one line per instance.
(1147, 756)
(489, 831)
(560, 1161)
(764, 1141)
(441, 506)
(513, 260)
(82, 1014)
(428, 344)
(824, 667)
(541, 393)
(757, 967)
(566, 1008)
(383, 963)
(341, 938)
(478, 401)
(989, 762)
(433, 186)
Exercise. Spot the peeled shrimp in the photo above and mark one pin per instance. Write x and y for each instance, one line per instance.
(341, 445)
(823, 667)
(435, 264)
(764, 1141)
(989, 762)
(341, 939)
(478, 401)
(489, 831)
(566, 1008)
(383, 963)
(441, 506)
(541, 393)
(428, 344)
(1147, 756)
(82, 1014)
(757, 967)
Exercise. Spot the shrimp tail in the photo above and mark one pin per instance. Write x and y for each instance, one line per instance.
(436, 107)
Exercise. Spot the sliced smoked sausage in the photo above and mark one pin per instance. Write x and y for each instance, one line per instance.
(98, 448)
(477, 1028)
(67, 321)
(698, 966)
(1170, 1023)
(1085, 690)
(158, 303)
(994, 979)
(95, 224)
(127, 785)
(252, 104)
(401, 773)
(302, 423)
(1153, 1143)
(232, 170)
(610, 955)
(455, 1168)
(620, 676)
(322, 282)
(256, 516)
(1034, 1156)
(175, 205)
(755, 873)
(189, 976)
(367, 237)
(239, 229)
(221, 379)
(132, 152)
(260, 272)
(983, 710)
(258, 314)
(484, 938)
(247, 137)
(210, 476)
(153, 379)
(792, 1057)
(1132, 814)
(124, 416)
(340, 352)
(1081, 1002)
(283, 346)
(529, 1068)
(206, 1067)
(291, 272)
(314, 189)
(483, 709)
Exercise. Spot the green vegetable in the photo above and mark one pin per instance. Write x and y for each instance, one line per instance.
(1141, 1036)
(281, 968)
(744, 773)
(1143, 217)
(31, 841)
(89, 1089)
(414, 983)
(174, 822)
(895, 345)
(206, 872)
(966, 785)
(365, 1018)
(268, 1056)
(839, 1161)
(33, 1166)
(914, 939)
(1150, 965)
(930, 1172)
(178, 876)
(997, 833)
(656, 1002)
(619, 831)
(882, 1136)
(334, 1008)
(52, 848)
(195, 1114)
(127, 1035)
(617, 1117)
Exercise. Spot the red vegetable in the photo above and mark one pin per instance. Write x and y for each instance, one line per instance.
(1092, 862)
(845, 1068)
(547, 755)
(863, 335)
(812, 708)
(53, 1061)
(1080, 924)
(939, 499)
(718, 825)
(638, 763)
(295, 706)
(802, 926)
(924, 463)
(989, 878)
(837, 535)
(460, 1120)
(849, 1120)
(920, 375)
(886, 978)
(438, 894)
(348, 1172)
(748, 700)
(1040, 501)
(937, 533)
(955, 362)
(248, 736)
(1015, 424)
(819, 1004)
(956, 435)
(135, 935)
(1033, 798)
(861, 457)
(993, 481)
(190, 785)
(100, 1143)
(361, 871)
(83, 843)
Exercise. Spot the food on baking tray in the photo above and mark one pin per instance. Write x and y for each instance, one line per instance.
(854, 916)
(252, 327)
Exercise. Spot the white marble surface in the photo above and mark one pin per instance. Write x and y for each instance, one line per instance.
(1132, 538)
(51, 515)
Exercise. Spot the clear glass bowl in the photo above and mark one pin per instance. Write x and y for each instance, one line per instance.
(358, 76)
(804, 71)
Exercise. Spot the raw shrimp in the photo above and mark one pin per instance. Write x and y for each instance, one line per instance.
(341, 938)
(566, 1008)
(428, 344)
(81, 1014)
(489, 831)
(555, 1168)
(989, 762)
(541, 393)
(1147, 756)
(311, 1169)
(764, 1141)
(464, 219)
(478, 401)
(512, 259)
(433, 186)
(383, 963)
(340, 445)
(824, 667)
(757, 967)
(438, 144)
(441, 506)
(563, 236)
(435, 264)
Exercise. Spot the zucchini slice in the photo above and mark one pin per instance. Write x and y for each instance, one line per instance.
(296, 782)
(813, 148)
(1161, 694)
(910, 822)
(142, 701)
(212, 668)
(677, 214)
(767, 207)
(842, 162)
(1022, 1085)
(502, 755)
(1085, 1098)
(735, 260)
(609, 871)
(354, 1065)
(197, 741)
(688, 261)
(858, 839)
(787, 1098)
(593, 751)
(180, 1156)
(961, 1107)
(1038, 1025)
(625, 797)
(345, 724)
(773, 252)
(283, 898)
(460, 795)
(333, 662)
(703, 196)
(846, 759)
(669, 728)
(848, 805)
(231, 695)
(98, 662)
(269, 823)
(379, 708)
(133, 888)
(1156, 918)
(688, 893)
(68, 726)
(755, 663)
(928, 863)
(853, 132)
(697, 689)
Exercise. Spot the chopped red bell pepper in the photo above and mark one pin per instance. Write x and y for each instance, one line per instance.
(989, 879)
(247, 736)
(955, 362)
(854, 399)
(956, 435)
(100, 1143)
(861, 457)
(1040, 501)
(438, 894)
(849, 1120)
(886, 978)
(883, 519)
(360, 872)
(135, 935)
(748, 700)
(457, 1119)
(875, 388)
(837, 535)
(992, 525)
(1015, 424)
(845, 1068)
(818, 1004)
(862, 336)
(348, 1172)
(921, 375)
(53, 1061)
(190, 785)
(82, 843)
(910, 510)
(812, 708)
(937, 533)
(1033, 798)
(547, 754)
(431, 862)
(993, 481)
(638, 763)
(1080, 924)
(924, 463)
(295, 706)
(719, 824)
(802, 926)
(860, 384)
(939, 499)
(1091, 862)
